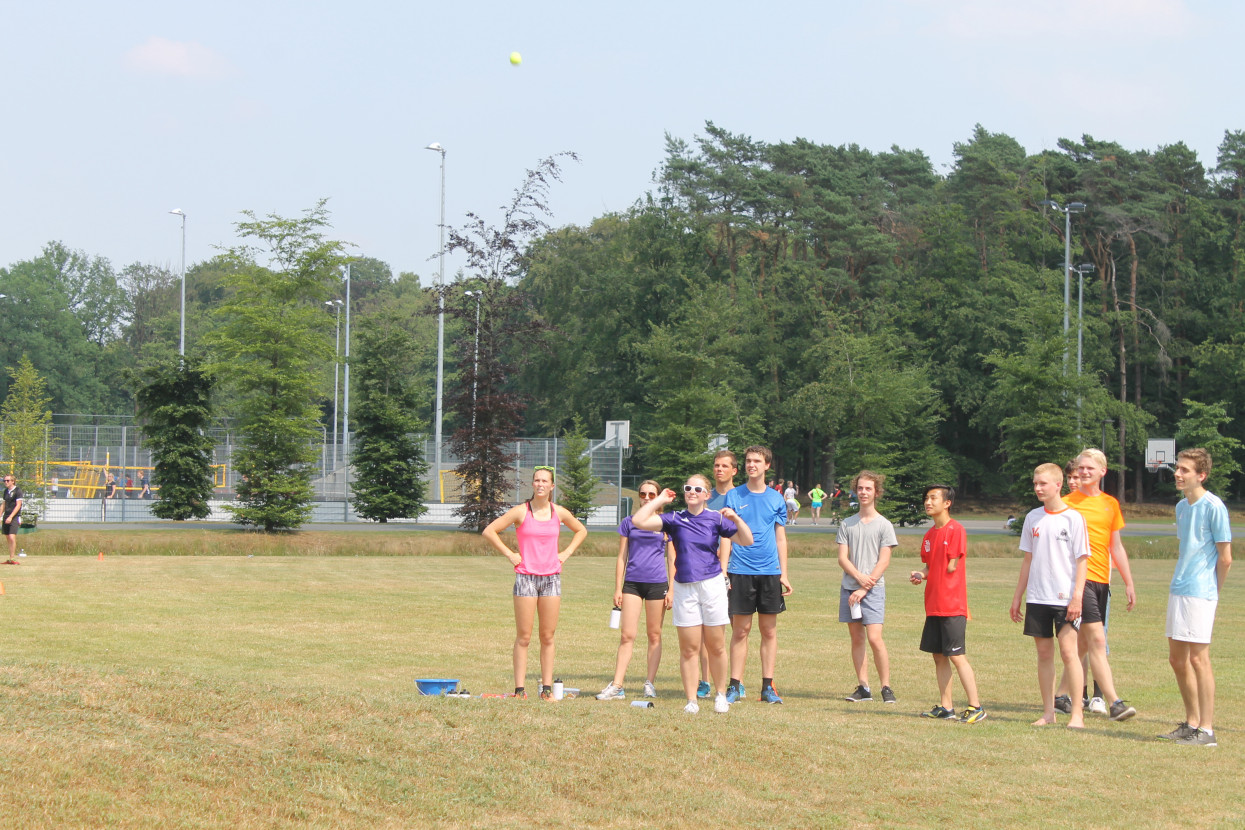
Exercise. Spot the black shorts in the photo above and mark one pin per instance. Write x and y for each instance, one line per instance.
(1094, 603)
(944, 635)
(646, 590)
(1045, 621)
(755, 594)
(11, 529)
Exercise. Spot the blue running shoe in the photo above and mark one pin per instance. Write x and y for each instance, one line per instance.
(734, 693)
(703, 689)
(770, 695)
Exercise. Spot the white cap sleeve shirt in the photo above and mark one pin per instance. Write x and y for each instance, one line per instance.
(1056, 541)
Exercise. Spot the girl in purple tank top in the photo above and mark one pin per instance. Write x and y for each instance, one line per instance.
(538, 572)
(640, 582)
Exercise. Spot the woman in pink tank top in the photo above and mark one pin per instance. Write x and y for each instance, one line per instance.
(538, 572)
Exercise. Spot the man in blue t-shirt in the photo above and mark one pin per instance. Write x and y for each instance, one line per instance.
(1205, 556)
(757, 573)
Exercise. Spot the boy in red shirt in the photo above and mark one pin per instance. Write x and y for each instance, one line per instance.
(946, 604)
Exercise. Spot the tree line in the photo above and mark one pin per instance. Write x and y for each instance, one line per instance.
(849, 308)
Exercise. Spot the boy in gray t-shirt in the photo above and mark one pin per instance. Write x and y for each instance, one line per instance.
(866, 541)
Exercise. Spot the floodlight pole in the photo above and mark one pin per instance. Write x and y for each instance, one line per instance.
(181, 341)
(346, 385)
(337, 352)
(440, 317)
(1072, 207)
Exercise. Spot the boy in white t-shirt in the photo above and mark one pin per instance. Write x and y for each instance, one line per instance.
(1205, 557)
(1052, 582)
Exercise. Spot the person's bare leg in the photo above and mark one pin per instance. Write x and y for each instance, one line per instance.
(630, 621)
(881, 658)
(1199, 660)
(741, 627)
(1067, 637)
(1186, 679)
(859, 650)
(548, 608)
(768, 624)
(690, 644)
(942, 672)
(715, 642)
(968, 679)
(1046, 679)
(654, 616)
(524, 617)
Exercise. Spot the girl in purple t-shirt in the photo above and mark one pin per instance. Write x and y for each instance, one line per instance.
(640, 581)
(698, 596)
(538, 572)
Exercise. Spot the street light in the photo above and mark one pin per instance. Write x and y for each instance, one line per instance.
(440, 313)
(181, 340)
(1081, 270)
(1073, 207)
(475, 361)
(336, 305)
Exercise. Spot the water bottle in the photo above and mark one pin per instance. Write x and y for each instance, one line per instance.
(558, 690)
(616, 617)
(642, 704)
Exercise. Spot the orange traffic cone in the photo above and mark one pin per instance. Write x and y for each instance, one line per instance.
(101, 556)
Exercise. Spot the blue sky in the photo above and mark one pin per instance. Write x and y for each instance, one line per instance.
(114, 113)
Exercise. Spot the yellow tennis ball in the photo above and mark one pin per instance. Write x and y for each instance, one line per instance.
(516, 58)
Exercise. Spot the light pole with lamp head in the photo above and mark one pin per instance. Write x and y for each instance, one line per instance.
(1081, 270)
(181, 341)
(1073, 207)
(440, 316)
(336, 305)
(475, 360)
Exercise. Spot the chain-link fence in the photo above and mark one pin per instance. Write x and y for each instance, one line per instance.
(91, 469)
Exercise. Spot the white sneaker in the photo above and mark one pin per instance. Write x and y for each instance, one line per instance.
(650, 690)
(612, 692)
(1097, 705)
(692, 707)
(720, 705)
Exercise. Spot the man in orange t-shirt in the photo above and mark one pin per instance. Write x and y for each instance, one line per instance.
(1104, 522)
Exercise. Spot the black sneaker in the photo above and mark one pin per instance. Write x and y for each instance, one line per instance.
(861, 694)
(973, 714)
(1179, 733)
(1063, 703)
(1121, 711)
(939, 713)
(887, 695)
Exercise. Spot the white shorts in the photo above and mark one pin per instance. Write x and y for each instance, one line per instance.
(793, 505)
(701, 603)
(1190, 619)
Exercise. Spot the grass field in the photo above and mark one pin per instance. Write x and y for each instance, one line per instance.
(277, 691)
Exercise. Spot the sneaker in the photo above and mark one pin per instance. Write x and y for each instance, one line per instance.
(973, 714)
(1180, 732)
(770, 695)
(939, 713)
(1121, 711)
(649, 690)
(1198, 737)
(612, 692)
(887, 695)
(861, 694)
(722, 704)
(703, 689)
(546, 693)
(1063, 703)
(1096, 706)
(692, 707)
(734, 693)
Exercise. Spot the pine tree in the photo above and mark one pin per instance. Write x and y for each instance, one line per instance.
(575, 480)
(389, 466)
(175, 400)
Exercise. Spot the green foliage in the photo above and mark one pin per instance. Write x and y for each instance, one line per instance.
(1202, 427)
(576, 482)
(175, 401)
(269, 348)
(1033, 403)
(389, 469)
(25, 418)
